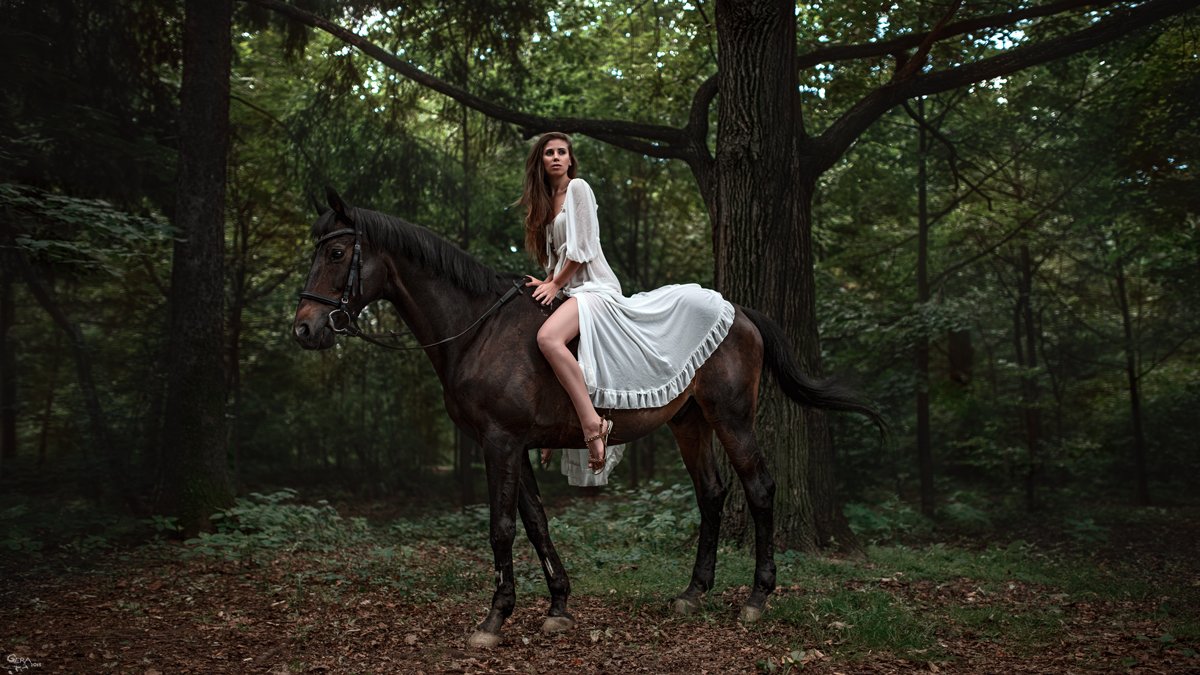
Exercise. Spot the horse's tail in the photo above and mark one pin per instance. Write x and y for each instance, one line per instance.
(826, 394)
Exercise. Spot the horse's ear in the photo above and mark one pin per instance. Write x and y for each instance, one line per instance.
(335, 202)
(316, 205)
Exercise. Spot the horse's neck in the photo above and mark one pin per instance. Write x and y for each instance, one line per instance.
(435, 309)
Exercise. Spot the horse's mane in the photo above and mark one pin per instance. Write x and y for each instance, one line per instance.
(422, 246)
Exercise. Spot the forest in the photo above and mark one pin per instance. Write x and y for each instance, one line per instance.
(984, 217)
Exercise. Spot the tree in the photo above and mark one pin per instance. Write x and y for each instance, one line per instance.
(760, 183)
(51, 243)
(194, 435)
(8, 372)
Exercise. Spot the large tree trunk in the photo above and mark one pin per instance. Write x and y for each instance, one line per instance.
(194, 429)
(924, 442)
(8, 374)
(1141, 482)
(48, 404)
(1025, 345)
(762, 224)
(233, 358)
(465, 447)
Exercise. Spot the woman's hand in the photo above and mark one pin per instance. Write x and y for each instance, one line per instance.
(544, 291)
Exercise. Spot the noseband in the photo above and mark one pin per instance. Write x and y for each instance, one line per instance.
(354, 278)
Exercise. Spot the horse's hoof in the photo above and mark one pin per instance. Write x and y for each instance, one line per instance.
(483, 640)
(685, 606)
(557, 624)
(750, 614)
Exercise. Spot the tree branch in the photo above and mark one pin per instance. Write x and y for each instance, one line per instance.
(952, 149)
(286, 129)
(1110, 28)
(1025, 224)
(651, 139)
(697, 126)
(917, 61)
(834, 142)
(899, 45)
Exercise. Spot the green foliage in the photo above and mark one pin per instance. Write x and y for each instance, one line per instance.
(13, 539)
(965, 512)
(164, 524)
(91, 98)
(1085, 530)
(885, 522)
(1031, 629)
(260, 524)
(1053, 167)
(61, 527)
(467, 527)
(651, 518)
(626, 535)
(862, 620)
(98, 237)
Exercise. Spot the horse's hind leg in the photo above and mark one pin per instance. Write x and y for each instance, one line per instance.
(694, 436)
(742, 448)
(533, 516)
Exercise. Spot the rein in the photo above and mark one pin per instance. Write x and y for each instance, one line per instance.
(341, 320)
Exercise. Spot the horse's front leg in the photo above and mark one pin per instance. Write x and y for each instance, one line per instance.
(502, 460)
(533, 516)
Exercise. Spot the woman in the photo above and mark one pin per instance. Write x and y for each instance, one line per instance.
(637, 352)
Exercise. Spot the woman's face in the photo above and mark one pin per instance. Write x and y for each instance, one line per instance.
(556, 159)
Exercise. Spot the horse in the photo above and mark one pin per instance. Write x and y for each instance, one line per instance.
(499, 389)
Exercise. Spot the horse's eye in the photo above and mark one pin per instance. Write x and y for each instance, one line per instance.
(336, 254)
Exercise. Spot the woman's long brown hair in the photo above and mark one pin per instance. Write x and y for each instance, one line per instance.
(537, 197)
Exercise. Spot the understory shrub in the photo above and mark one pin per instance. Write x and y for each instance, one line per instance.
(260, 523)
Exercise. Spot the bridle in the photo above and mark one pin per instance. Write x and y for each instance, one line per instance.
(341, 308)
(341, 320)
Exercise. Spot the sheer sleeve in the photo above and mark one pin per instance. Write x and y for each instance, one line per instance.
(583, 228)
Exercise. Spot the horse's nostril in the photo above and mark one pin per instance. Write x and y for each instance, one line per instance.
(302, 330)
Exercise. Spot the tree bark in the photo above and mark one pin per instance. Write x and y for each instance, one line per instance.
(924, 443)
(48, 405)
(233, 339)
(8, 372)
(465, 446)
(1141, 482)
(1025, 338)
(762, 229)
(194, 435)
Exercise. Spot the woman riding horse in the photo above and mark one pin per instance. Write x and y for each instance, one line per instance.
(634, 353)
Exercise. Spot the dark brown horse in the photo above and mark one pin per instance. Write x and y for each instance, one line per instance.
(500, 389)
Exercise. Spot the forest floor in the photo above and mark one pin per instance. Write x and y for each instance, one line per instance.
(290, 588)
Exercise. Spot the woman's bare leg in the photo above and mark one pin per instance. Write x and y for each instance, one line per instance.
(555, 333)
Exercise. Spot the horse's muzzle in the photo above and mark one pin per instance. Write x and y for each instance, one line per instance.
(313, 331)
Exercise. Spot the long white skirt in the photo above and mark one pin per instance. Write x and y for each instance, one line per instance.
(642, 352)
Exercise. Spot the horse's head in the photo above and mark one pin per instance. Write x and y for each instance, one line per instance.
(343, 279)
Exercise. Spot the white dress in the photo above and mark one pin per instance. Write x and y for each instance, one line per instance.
(635, 352)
